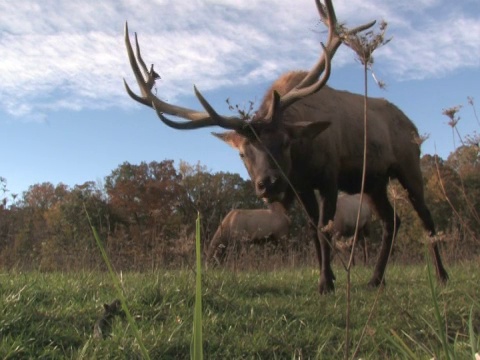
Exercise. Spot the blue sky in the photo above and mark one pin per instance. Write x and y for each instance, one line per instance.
(65, 117)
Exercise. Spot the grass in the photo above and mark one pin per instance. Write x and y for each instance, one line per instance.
(196, 350)
(248, 315)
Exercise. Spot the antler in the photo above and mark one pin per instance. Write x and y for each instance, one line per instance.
(199, 119)
(336, 34)
(146, 80)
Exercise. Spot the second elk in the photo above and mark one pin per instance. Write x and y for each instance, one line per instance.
(345, 222)
(242, 227)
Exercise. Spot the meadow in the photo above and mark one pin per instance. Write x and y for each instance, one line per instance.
(246, 315)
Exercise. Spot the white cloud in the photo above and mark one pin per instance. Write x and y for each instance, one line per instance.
(59, 54)
(434, 49)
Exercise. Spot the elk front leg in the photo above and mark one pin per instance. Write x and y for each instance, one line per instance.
(324, 232)
(310, 203)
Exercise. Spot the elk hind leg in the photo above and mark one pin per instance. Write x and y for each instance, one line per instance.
(417, 199)
(416, 196)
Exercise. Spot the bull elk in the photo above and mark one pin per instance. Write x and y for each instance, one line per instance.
(306, 136)
(249, 226)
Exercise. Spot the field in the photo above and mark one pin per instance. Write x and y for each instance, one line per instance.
(246, 315)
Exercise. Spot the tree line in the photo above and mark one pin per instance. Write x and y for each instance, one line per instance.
(145, 215)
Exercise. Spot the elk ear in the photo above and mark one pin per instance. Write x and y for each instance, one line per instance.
(232, 138)
(307, 129)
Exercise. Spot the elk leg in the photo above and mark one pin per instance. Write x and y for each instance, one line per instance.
(326, 274)
(312, 210)
(217, 247)
(365, 235)
(416, 196)
(426, 217)
(365, 250)
(329, 205)
(391, 223)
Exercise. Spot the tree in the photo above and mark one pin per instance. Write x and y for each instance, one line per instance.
(441, 191)
(212, 195)
(144, 197)
(465, 160)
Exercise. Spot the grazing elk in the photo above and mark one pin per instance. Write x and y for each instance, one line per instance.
(345, 222)
(306, 136)
(249, 226)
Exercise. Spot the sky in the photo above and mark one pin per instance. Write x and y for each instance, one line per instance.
(66, 118)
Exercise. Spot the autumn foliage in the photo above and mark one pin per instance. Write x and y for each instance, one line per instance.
(146, 213)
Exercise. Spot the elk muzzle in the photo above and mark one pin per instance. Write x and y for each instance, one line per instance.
(269, 188)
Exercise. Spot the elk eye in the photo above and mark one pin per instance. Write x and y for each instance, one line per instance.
(242, 155)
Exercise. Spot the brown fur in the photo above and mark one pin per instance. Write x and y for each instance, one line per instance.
(282, 85)
(318, 144)
(345, 221)
(248, 226)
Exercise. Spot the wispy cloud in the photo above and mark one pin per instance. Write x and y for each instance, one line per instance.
(58, 54)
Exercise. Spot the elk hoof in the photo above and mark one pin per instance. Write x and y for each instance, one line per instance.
(442, 276)
(376, 282)
(326, 286)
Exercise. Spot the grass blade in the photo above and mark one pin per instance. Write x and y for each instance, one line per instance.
(196, 351)
(401, 346)
(118, 288)
(438, 316)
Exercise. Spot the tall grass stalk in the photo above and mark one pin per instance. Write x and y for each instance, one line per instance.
(401, 346)
(441, 332)
(118, 289)
(196, 349)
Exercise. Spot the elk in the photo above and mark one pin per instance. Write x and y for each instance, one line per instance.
(345, 222)
(306, 136)
(249, 226)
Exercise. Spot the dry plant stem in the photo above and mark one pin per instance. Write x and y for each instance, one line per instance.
(470, 101)
(459, 136)
(355, 235)
(455, 129)
(377, 295)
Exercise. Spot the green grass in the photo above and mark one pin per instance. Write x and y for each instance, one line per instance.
(248, 315)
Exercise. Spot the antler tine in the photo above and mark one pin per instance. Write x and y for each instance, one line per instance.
(232, 123)
(329, 16)
(185, 125)
(189, 125)
(298, 93)
(147, 97)
(151, 75)
(360, 28)
(336, 34)
(146, 80)
(136, 70)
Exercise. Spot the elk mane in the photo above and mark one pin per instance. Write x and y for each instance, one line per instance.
(282, 85)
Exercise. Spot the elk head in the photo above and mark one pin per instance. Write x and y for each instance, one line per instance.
(264, 142)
